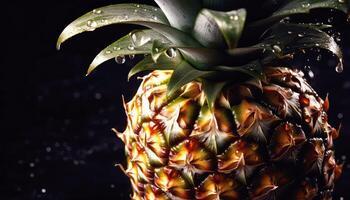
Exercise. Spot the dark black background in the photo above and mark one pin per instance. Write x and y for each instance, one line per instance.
(55, 123)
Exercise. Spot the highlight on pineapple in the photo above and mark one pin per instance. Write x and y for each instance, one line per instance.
(222, 113)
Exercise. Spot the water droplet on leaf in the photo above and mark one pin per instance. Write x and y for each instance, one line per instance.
(234, 17)
(131, 47)
(97, 11)
(91, 25)
(139, 38)
(120, 59)
(339, 68)
(171, 52)
(305, 5)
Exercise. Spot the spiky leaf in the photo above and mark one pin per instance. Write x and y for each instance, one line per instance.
(288, 38)
(214, 28)
(212, 89)
(252, 69)
(180, 13)
(164, 62)
(301, 7)
(113, 14)
(183, 74)
(137, 42)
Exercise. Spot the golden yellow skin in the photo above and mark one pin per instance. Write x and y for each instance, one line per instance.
(261, 140)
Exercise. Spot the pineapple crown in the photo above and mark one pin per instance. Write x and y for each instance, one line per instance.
(200, 40)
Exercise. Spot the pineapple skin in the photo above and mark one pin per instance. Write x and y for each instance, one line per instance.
(262, 140)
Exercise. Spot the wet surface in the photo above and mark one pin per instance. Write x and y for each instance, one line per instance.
(56, 141)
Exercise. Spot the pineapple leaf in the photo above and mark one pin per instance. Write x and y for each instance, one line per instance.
(183, 74)
(180, 13)
(113, 14)
(214, 28)
(163, 62)
(253, 69)
(159, 48)
(202, 58)
(287, 38)
(301, 7)
(212, 89)
(137, 42)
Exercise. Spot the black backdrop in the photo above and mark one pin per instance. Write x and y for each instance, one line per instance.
(55, 123)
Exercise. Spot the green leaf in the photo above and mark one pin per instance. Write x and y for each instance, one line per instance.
(301, 7)
(113, 14)
(176, 36)
(183, 74)
(214, 29)
(288, 38)
(180, 13)
(164, 62)
(202, 58)
(137, 42)
(212, 89)
(159, 48)
(253, 69)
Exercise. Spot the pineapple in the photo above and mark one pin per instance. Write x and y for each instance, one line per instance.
(222, 114)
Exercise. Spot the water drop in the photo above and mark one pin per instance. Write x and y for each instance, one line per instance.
(171, 52)
(300, 35)
(97, 11)
(340, 115)
(289, 32)
(305, 5)
(155, 9)
(139, 38)
(132, 56)
(330, 20)
(311, 74)
(319, 57)
(155, 17)
(131, 47)
(339, 68)
(92, 25)
(138, 5)
(156, 49)
(341, 1)
(135, 11)
(120, 59)
(234, 17)
(277, 48)
(126, 17)
(43, 190)
(117, 48)
(108, 52)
